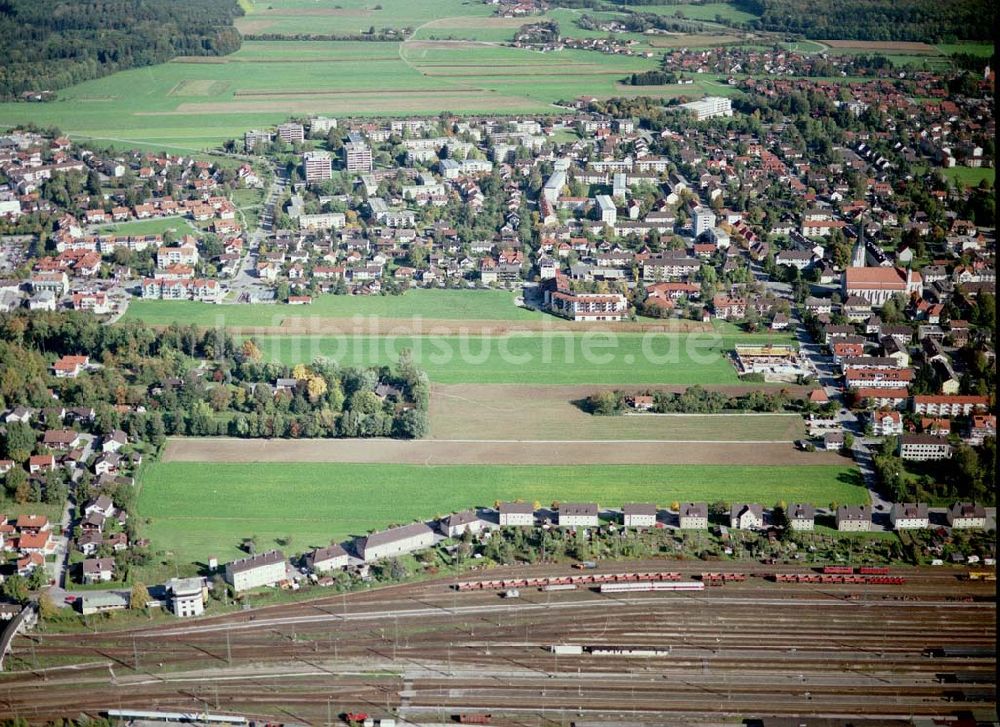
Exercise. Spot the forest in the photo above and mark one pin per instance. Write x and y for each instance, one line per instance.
(928, 21)
(45, 46)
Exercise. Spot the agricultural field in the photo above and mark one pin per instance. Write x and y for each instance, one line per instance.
(704, 11)
(196, 509)
(190, 104)
(554, 413)
(289, 17)
(529, 357)
(195, 103)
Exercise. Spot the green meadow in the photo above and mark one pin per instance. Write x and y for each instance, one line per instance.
(195, 510)
(551, 357)
(486, 305)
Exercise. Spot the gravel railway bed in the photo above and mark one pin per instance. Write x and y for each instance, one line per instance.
(425, 652)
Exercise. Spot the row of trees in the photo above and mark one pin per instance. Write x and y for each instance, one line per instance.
(695, 400)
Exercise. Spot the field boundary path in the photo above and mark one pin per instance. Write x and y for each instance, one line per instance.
(499, 452)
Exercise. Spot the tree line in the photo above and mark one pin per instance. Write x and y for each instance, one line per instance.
(914, 20)
(45, 46)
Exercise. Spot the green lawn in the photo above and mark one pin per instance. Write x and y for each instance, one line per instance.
(196, 510)
(487, 305)
(179, 225)
(560, 357)
(12, 510)
(984, 50)
(970, 176)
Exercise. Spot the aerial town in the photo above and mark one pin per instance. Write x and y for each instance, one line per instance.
(511, 417)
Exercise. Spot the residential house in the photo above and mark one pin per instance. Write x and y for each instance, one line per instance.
(573, 514)
(693, 516)
(923, 447)
(967, 515)
(909, 516)
(98, 570)
(457, 524)
(328, 559)
(516, 514)
(854, 518)
(746, 516)
(801, 516)
(262, 569)
(395, 541)
(639, 515)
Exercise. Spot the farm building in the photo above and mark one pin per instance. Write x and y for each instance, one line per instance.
(854, 518)
(395, 541)
(693, 516)
(909, 515)
(516, 513)
(264, 569)
(330, 558)
(573, 514)
(639, 515)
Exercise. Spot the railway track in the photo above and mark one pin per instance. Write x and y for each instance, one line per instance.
(796, 648)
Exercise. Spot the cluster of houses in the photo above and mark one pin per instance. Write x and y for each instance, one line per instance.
(30, 537)
(99, 532)
(878, 363)
(83, 273)
(272, 568)
(622, 212)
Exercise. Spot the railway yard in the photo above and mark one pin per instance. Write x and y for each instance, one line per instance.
(751, 643)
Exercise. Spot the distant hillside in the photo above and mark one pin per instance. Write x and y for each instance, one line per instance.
(46, 45)
(930, 21)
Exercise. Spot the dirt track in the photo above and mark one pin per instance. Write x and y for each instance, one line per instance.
(437, 452)
(380, 325)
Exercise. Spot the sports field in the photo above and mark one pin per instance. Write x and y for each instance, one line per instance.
(178, 225)
(196, 510)
(529, 357)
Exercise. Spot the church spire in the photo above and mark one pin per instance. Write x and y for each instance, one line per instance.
(858, 259)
